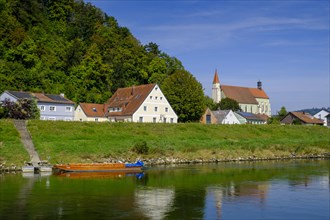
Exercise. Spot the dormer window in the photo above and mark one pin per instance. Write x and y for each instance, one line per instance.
(94, 109)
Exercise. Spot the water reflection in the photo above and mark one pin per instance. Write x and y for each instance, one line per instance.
(273, 190)
(154, 202)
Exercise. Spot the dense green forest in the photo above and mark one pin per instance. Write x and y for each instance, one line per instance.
(72, 47)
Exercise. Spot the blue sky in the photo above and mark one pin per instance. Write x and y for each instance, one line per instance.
(283, 43)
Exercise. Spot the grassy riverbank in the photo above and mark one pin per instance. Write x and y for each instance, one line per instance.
(85, 142)
(11, 149)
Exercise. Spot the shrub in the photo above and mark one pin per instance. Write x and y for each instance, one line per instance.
(141, 148)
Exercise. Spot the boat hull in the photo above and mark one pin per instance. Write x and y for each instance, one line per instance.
(99, 167)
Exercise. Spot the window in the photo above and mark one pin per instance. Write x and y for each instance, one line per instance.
(208, 119)
(145, 108)
(154, 120)
(96, 119)
(164, 120)
(166, 109)
(141, 119)
(52, 108)
(172, 120)
(156, 97)
(52, 118)
(161, 98)
(151, 97)
(68, 109)
(42, 118)
(42, 108)
(156, 109)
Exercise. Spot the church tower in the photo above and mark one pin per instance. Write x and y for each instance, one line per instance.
(216, 91)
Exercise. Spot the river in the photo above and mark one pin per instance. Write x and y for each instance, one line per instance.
(294, 189)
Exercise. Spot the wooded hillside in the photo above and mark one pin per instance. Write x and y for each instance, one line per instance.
(68, 46)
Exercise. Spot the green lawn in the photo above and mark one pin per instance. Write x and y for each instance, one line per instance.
(77, 141)
(11, 148)
(61, 141)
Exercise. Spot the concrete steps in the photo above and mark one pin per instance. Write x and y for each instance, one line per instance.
(27, 141)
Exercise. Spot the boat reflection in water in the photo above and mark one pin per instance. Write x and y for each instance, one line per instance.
(110, 174)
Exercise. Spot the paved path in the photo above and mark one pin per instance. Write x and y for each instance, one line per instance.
(27, 141)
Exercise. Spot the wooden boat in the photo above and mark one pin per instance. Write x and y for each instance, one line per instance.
(99, 167)
(94, 175)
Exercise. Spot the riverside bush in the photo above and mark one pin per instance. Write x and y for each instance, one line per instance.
(141, 148)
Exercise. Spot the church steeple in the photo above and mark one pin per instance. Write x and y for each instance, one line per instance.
(216, 77)
(216, 90)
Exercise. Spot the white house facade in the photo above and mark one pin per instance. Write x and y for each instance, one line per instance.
(144, 103)
(322, 116)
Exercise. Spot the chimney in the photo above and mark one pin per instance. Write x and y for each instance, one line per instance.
(132, 93)
(259, 84)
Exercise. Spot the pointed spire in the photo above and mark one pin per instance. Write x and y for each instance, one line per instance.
(216, 77)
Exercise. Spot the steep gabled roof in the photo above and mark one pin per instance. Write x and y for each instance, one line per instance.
(258, 93)
(243, 94)
(93, 110)
(220, 115)
(306, 118)
(129, 99)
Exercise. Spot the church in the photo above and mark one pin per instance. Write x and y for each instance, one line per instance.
(253, 100)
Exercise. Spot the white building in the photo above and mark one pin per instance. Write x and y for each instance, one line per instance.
(322, 116)
(253, 100)
(144, 103)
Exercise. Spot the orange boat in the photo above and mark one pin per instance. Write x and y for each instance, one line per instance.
(113, 174)
(100, 167)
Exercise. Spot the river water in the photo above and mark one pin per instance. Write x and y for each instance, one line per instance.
(296, 189)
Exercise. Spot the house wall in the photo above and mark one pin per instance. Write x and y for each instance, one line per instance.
(230, 118)
(59, 113)
(263, 107)
(252, 108)
(208, 112)
(216, 93)
(288, 119)
(155, 109)
(328, 120)
(5, 95)
(322, 116)
(79, 115)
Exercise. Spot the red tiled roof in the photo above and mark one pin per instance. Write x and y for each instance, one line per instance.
(307, 118)
(93, 110)
(258, 93)
(129, 99)
(243, 94)
(216, 77)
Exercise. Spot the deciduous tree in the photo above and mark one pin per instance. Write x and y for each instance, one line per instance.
(185, 94)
